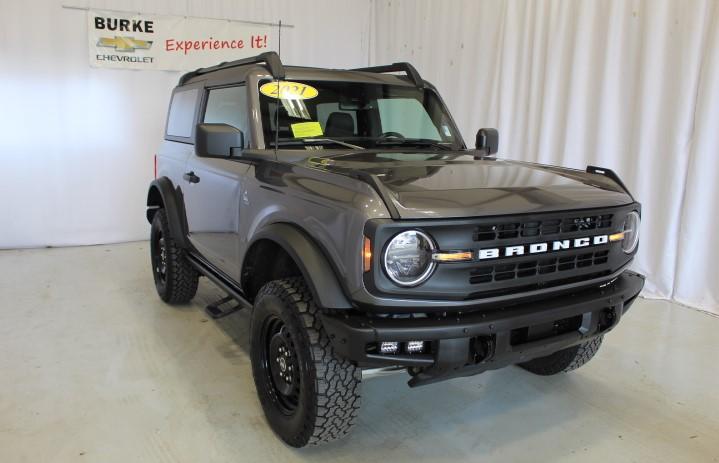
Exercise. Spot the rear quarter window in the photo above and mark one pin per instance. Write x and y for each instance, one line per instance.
(182, 113)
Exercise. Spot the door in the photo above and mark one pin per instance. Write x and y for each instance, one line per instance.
(213, 186)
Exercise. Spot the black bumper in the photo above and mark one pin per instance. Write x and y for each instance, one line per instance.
(463, 344)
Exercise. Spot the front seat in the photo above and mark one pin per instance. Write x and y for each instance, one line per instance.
(340, 125)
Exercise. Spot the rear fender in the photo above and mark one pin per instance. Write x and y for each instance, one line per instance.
(163, 194)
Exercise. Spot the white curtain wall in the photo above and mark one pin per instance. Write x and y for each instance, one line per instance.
(628, 85)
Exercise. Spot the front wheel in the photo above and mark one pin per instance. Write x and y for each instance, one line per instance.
(309, 394)
(175, 278)
(564, 360)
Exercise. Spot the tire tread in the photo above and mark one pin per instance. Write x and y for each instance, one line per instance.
(182, 278)
(337, 382)
(564, 360)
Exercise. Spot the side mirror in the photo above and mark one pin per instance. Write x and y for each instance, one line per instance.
(487, 140)
(218, 140)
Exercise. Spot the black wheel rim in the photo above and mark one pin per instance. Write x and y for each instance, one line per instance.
(159, 263)
(280, 364)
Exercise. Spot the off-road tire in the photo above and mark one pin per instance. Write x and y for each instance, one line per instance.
(564, 360)
(178, 283)
(328, 393)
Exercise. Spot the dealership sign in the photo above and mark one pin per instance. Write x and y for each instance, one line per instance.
(174, 43)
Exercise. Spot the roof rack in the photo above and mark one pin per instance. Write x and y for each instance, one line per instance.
(407, 68)
(270, 58)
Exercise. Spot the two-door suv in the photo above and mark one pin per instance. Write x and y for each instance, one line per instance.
(343, 209)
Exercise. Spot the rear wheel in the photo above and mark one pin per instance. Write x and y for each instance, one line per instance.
(308, 393)
(175, 278)
(564, 360)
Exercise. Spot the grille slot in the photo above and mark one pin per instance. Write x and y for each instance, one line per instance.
(539, 228)
(544, 266)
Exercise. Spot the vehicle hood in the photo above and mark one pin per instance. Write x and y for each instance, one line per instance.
(456, 184)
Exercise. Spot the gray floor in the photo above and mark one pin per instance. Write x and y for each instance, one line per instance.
(93, 367)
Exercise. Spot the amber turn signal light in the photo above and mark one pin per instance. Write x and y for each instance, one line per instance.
(367, 254)
(616, 237)
(452, 256)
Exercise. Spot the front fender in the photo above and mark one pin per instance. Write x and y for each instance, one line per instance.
(312, 262)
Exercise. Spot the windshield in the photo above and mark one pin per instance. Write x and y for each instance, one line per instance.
(350, 115)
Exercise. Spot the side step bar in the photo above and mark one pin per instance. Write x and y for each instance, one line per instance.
(215, 309)
(220, 308)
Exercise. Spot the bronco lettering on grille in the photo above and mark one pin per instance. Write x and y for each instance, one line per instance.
(539, 248)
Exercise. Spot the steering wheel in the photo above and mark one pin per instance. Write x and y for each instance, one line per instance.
(396, 135)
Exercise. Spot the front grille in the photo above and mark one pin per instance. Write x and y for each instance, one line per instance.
(540, 228)
(526, 271)
(502, 272)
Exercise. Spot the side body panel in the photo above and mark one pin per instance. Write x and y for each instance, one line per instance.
(171, 159)
(214, 214)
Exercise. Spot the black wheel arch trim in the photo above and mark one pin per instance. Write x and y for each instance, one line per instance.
(315, 266)
(174, 205)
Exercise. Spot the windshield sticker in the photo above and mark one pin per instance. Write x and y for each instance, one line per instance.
(306, 129)
(288, 90)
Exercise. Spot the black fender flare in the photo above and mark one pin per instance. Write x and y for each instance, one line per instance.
(162, 193)
(312, 262)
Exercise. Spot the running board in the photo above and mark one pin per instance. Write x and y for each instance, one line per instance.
(216, 309)
(222, 307)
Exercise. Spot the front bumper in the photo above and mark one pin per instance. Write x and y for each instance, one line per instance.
(463, 344)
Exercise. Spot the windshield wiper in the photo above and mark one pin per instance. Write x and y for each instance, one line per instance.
(319, 141)
(332, 140)
(412, 142)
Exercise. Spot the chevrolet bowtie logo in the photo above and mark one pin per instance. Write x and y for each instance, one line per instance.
(124, 43)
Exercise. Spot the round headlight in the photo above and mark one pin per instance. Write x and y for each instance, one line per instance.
(631, 232)
(408, 258)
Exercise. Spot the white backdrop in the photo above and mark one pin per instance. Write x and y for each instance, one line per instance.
(629, 85)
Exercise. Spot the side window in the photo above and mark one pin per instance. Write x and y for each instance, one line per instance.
(229, 106)
(182, 113)
(408, 117)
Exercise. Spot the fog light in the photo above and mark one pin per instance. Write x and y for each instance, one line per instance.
(388, 347)
(414, 347)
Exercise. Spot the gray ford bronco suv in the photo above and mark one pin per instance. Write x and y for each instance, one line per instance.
(344, 211)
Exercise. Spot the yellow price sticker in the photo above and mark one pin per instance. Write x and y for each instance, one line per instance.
(306, 129)
(288, 90)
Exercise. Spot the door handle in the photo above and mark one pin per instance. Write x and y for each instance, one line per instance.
(191, 177)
